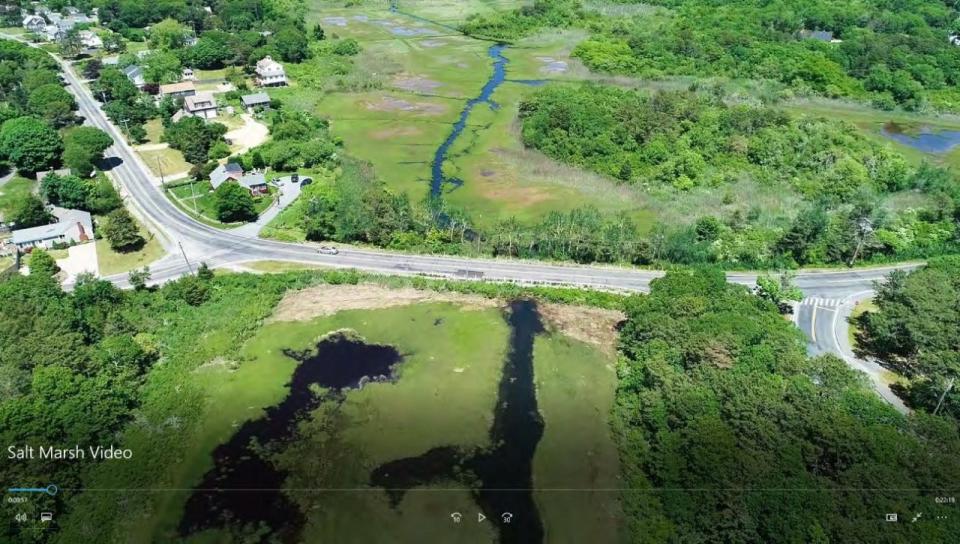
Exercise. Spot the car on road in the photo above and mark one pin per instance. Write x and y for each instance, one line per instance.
(328, 250)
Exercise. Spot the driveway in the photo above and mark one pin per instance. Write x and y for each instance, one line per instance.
(288, 192)
(81, 258)
(251, 134)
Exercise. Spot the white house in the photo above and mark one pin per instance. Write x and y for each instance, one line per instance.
(35, 23)
(254, 181)
(202, 105)
(270, 73)
(135, 74)
(72, 226)
(90, 40)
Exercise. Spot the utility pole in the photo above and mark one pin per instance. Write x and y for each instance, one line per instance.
(193, 194)
(184, 253)
(864, 228)
(943, 396)
(160, 169)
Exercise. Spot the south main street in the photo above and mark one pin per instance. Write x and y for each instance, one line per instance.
(218, 248)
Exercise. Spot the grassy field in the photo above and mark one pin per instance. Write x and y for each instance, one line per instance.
(575, 393)
(12, 192)
(165, 161)
(115, 262)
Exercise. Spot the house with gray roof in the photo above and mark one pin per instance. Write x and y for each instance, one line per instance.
(135, 74)
(254, 181)
(255, 100)
(72, 226)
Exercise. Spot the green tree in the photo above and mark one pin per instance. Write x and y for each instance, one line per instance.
(161, 67)
(292, 44)
(234, 203)
(53, 104)
(67, 191)
(30, 212)
(194, 138)
(42, 264)
(122, 231)
(780, 290)
(168, 34)
(83, 147)
(139, 277)
(30, 144)
(318, 33)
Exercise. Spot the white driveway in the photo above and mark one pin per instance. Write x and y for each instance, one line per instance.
(251, 134)
(81, 258)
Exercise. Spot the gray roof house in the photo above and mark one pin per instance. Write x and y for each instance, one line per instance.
(135, 74)
(222, 173)
(255, 182)
(254, 100)
(72, 226)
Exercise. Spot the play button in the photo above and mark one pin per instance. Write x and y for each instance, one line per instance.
(480, 517)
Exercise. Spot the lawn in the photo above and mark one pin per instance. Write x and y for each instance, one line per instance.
(575, 393)
(115, 262)
(197, 199)
(165, 162)
(13, 192)
(154, 128)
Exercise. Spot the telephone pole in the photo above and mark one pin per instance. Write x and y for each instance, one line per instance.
(943, 396)
(184, 253)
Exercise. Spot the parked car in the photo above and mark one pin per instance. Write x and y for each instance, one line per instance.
(328, 250)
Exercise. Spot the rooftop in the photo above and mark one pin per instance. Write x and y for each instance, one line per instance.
(66, 219)
(200, 101)
(183, 86)
(255, 99)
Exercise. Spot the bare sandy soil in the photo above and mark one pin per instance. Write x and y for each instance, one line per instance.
(323, 300)
(594, 326)
(389, 103)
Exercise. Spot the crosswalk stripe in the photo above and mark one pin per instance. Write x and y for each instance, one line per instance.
(819, 301)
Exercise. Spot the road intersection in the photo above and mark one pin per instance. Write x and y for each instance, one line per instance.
(822, 316)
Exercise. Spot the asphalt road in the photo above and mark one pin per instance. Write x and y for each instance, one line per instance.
(189, 242)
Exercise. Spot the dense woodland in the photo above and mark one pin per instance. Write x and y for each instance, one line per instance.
(750, 440)
(893, 54)
(683, 140)
(914, 331)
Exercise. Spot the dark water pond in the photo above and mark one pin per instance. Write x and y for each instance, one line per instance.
(504, 470)
(925, 139)
(338, 363)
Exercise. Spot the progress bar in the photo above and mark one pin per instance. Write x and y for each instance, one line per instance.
(49, 490)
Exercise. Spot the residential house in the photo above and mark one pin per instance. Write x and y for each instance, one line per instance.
(182, 89)
(270, 73)
(254, 181)
(187, 75)
(255, 100)
(90, 40)
(224, 172)
(202, 105)
(72, 226)
(135, 74)
(35, 23)
(954, 39)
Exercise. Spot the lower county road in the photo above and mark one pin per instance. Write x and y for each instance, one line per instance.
(189, 242)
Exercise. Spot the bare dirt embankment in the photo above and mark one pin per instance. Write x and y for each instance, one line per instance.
(594, 326)
(323, 300)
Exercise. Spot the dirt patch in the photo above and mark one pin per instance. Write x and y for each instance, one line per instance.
(432, 43)
(329, 299)
(336, 21)
(416, 84)
(390, 103)
(487, 173)
(551, 65)
(398, 132)
(251, 134)
(595, 326)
